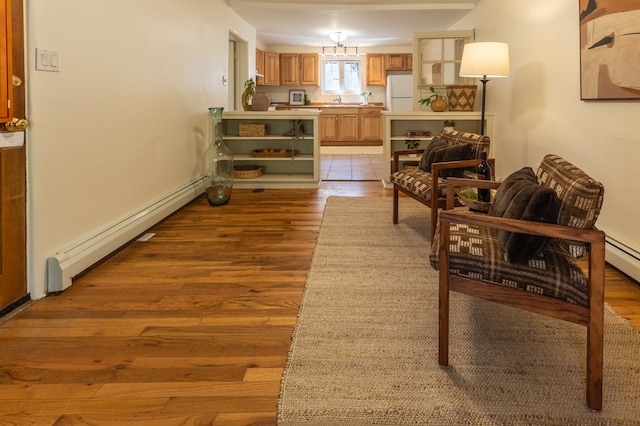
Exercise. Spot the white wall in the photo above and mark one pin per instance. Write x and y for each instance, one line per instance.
(124, 122)
(538, 108)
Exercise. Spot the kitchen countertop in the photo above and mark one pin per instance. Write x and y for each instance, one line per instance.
(328, 105)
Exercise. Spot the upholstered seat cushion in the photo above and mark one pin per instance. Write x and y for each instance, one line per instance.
(476, 252)
(418, 182)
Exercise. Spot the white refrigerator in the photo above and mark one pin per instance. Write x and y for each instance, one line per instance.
(400, 92)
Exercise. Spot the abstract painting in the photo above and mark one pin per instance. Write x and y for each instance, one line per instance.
(609, 49)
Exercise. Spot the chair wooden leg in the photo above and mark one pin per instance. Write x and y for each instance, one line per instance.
(395, 205)
(434, 218)
(595, 326)
(443, 296)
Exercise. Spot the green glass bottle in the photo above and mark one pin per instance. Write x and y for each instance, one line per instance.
(217, 162)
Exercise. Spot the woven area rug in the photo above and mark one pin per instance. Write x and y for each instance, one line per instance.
(364, 349)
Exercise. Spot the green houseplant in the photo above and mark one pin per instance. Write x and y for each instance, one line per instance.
(449, 124)
(412, 143)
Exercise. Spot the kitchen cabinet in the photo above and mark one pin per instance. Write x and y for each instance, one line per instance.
(370, 125)
(260, 67)
(271, 70)
(398, 61)
(397, 124)
(299, 69)
(339, 125)
(299, 171)
(376, 74)
(351, 126)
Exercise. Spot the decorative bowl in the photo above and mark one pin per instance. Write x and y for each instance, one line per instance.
(469, 197)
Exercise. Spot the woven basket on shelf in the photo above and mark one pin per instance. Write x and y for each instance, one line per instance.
(252, 130)
(247, 172)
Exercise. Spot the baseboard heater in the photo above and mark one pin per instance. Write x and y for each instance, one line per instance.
(66, 264)
(623, 257)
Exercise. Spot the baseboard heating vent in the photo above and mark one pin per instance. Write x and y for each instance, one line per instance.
(66, 264)
(623, 257)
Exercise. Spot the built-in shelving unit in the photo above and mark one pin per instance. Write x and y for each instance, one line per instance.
(397, 125)
(298, 171)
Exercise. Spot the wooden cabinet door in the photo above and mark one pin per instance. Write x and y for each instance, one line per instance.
(370, 125)
(289, 69)
(329, 130)
(349, 127)
(394, 61)
(271, 69)
(260, 66)
(309, 69)
(408, 61)
(376, 75)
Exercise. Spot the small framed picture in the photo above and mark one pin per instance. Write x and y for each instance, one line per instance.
(296, 97)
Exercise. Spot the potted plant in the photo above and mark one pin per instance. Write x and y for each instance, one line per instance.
(412, 144)
(449, 125)
(436, 100)
(249, 91)
(365, 97)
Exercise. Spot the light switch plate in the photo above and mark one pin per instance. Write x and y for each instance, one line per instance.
(47, 60)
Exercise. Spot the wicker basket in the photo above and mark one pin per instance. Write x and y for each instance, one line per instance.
(461, 97)
(252, 130)
(247, 172)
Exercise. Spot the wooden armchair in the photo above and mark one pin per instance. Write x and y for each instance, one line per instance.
(559, 289)
(419, 185)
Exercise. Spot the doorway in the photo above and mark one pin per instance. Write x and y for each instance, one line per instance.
(237, 70)
(357, 163)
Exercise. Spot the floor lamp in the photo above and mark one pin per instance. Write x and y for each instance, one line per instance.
(482, 60)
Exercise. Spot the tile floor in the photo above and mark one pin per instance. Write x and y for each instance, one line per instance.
(351, 163)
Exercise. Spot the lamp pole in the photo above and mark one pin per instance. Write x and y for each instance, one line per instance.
(484, 96)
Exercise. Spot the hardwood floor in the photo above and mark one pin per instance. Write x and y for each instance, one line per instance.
(191, 327)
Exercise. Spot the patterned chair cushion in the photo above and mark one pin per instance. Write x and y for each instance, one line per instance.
(418, 182)
(476, 253)
(580, 197)
(478, 143)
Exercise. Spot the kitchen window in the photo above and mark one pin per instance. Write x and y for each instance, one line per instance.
(341, 77)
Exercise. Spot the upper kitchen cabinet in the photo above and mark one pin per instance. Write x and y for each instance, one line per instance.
(376, 73)
(299, 69)
(268, 64)
(6, 71)
(259, 66)
(398, 61)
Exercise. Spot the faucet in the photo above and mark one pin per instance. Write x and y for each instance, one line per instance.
(338, 100)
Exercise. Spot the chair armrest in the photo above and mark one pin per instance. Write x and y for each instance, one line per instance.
(586, 235)
(396, 157)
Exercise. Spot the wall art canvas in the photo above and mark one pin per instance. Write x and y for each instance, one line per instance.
(610, 49)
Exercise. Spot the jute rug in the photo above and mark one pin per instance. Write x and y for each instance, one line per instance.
(364, 350)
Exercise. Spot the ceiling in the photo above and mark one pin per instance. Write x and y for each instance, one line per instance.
(364, 22)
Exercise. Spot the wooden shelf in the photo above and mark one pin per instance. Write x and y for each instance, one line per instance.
(301, 171)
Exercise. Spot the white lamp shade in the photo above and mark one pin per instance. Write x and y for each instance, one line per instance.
(480, 59)
(338, 37)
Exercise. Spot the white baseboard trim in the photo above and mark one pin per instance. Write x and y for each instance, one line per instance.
(66, 264)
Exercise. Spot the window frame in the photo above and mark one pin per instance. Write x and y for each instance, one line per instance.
(341, 59)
